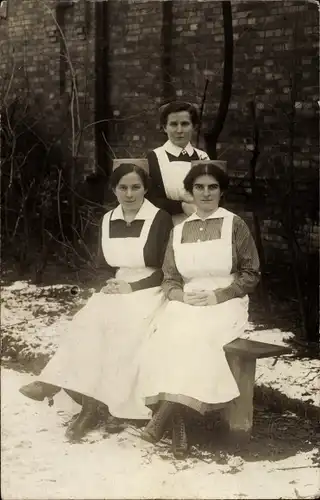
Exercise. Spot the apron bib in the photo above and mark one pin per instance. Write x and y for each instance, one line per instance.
(173, 174)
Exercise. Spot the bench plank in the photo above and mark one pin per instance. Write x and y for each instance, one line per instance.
(254, 349)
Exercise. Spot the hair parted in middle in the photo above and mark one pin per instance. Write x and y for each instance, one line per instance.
(125, 169)
(206, 167)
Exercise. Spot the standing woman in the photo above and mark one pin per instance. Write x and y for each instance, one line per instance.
(98, 359)
(211, 264)
(170, 163)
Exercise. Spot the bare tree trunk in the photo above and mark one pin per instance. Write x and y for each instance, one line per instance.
(103, 110)
(211, 137)
(201, 110)
(293, 247)
(256, 219)
(168, 91)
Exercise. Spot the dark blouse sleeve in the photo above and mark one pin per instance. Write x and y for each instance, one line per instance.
(154, 250)
(172, 279)
(157, 193)
(247, 274)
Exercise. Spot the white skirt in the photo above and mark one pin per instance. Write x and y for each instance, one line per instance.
(99, 357)
(184, 360)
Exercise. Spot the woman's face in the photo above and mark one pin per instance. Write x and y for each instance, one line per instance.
(130, 191)
(206, 193)
(179, 128)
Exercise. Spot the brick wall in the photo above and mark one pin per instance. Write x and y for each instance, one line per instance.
(275, 49)
(275, 43)
(35, 71)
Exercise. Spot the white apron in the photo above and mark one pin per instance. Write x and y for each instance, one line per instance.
(99, 355)
(185, 355)
(173, 174)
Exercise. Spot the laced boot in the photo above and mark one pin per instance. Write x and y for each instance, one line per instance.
(154, 430)
(179, 436)
(112, 425)
(39, 390)
(85, 421)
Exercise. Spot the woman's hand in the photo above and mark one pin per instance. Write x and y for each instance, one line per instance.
(200, 298)
(120, 286)
(115, 286)
(109, 288)
(188, 208)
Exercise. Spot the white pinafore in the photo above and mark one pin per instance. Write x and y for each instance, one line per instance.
(173, 174)
(99, 356)
(185, 355)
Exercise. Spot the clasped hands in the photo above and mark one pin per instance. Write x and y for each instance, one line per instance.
(200, 298)
(115, 286)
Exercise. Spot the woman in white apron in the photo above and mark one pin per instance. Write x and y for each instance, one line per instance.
(211, 264)
(98, 359)
(170, 163)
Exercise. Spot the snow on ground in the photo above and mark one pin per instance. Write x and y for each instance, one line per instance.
(37, 462)
(296, 378)
(36, 317)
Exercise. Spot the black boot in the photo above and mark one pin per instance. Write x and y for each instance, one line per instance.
(85, 421)
(112, 425)
(39, 390)
(154, 431)
(179, 435)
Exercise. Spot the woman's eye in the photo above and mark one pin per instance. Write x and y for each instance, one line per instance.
(136, 187)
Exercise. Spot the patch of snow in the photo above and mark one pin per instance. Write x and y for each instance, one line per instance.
(297, 379)
(270, 335)
(34, 317)
(37, 461)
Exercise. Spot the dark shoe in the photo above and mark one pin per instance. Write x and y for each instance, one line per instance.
(112, 425)
(179, 437)
(39, 390)
(85, 421)
(154, 430)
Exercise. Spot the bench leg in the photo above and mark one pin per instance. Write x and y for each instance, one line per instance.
(239, 412)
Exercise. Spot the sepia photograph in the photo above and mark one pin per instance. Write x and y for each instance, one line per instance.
(159, 249)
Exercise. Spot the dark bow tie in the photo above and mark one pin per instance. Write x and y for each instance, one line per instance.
(183, 157)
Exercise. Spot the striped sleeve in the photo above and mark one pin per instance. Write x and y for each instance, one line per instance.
(247, 271)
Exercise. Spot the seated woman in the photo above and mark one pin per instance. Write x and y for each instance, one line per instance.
(170, 163)
(98, 359)
(210, 266)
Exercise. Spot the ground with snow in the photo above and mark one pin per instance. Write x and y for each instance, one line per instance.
(281, 461)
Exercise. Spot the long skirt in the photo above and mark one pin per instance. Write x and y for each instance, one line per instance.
(99, 357)
(184, 360)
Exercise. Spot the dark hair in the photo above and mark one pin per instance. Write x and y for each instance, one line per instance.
(206, 169)
(176, 107)
(128, 168)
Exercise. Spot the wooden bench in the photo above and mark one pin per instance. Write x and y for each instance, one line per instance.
(242, 355)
